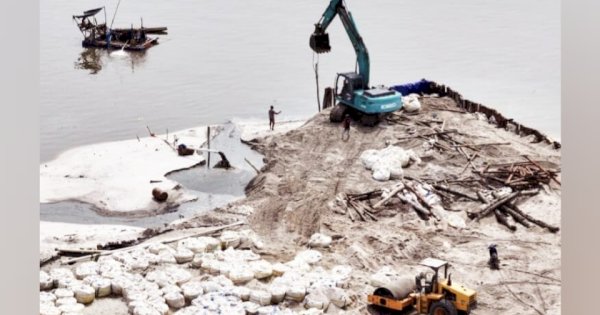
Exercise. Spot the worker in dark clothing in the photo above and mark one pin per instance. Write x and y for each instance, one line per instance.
(494, 263)
(346, 132)
(272, 114)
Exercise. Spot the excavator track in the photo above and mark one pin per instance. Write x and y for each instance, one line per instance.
(338, 112)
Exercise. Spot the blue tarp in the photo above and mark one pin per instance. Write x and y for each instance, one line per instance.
(416, 87)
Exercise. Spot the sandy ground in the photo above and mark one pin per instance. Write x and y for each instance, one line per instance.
(294, 197)
(308, 166)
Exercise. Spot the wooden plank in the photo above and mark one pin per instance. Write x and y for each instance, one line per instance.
(148, 242)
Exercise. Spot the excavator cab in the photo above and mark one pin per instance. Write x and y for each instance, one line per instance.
(319, 41)
(351, 82)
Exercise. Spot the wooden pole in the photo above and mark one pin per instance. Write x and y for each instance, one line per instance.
(420, 209)
(208, 146)
(458, 193)
(317, 80)
(254, 167)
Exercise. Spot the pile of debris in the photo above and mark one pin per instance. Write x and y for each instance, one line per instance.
(480, 179)
(519, 175)
(366, 206)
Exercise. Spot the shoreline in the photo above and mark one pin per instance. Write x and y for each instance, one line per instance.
(295, 196)
(249, 130)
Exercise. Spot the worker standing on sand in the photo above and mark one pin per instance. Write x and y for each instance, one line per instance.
(494, 262)
(272, 114)
(346, 132)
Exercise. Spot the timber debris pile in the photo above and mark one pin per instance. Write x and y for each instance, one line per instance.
(500, 182)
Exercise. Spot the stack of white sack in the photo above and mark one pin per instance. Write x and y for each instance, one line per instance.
(387, 163)
(411, 103)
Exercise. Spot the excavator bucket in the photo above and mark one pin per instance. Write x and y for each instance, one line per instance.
(319, 42)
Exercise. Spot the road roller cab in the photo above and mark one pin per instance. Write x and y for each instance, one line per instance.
(432, 294)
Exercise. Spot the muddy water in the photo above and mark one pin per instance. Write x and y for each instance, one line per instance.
(224, 59)
(213, 187)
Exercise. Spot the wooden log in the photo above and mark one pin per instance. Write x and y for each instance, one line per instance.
(494, 205)
(454, 192)
(389, 196)
(531, 192)
(351, 216)
(421, 200)
(502, 220)
(364, 210)
(535, 221)
(73, 251)
(365, 196)
(481, 197)
(357, 209)
(517, 217)
(424, 212)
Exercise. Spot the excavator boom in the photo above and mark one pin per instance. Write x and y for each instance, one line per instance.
(319, 40)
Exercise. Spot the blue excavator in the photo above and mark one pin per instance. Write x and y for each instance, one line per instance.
(355, 97)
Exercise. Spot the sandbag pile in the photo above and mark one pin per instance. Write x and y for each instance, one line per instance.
(387, 163)
(157, 280)
(411, 103)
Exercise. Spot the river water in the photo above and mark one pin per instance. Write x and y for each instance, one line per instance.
(226, 59)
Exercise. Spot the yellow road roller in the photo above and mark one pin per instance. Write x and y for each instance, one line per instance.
(433, 296)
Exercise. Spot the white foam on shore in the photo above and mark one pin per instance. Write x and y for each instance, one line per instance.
(115, 176)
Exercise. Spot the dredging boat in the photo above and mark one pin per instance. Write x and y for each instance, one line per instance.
(100, 35)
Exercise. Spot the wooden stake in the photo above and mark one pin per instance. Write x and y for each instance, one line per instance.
(208, 146)
(254, 167)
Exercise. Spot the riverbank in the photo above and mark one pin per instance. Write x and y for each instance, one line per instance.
(101, 189)
(300, 192)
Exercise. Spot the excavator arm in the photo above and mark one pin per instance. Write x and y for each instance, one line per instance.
(319, 40)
